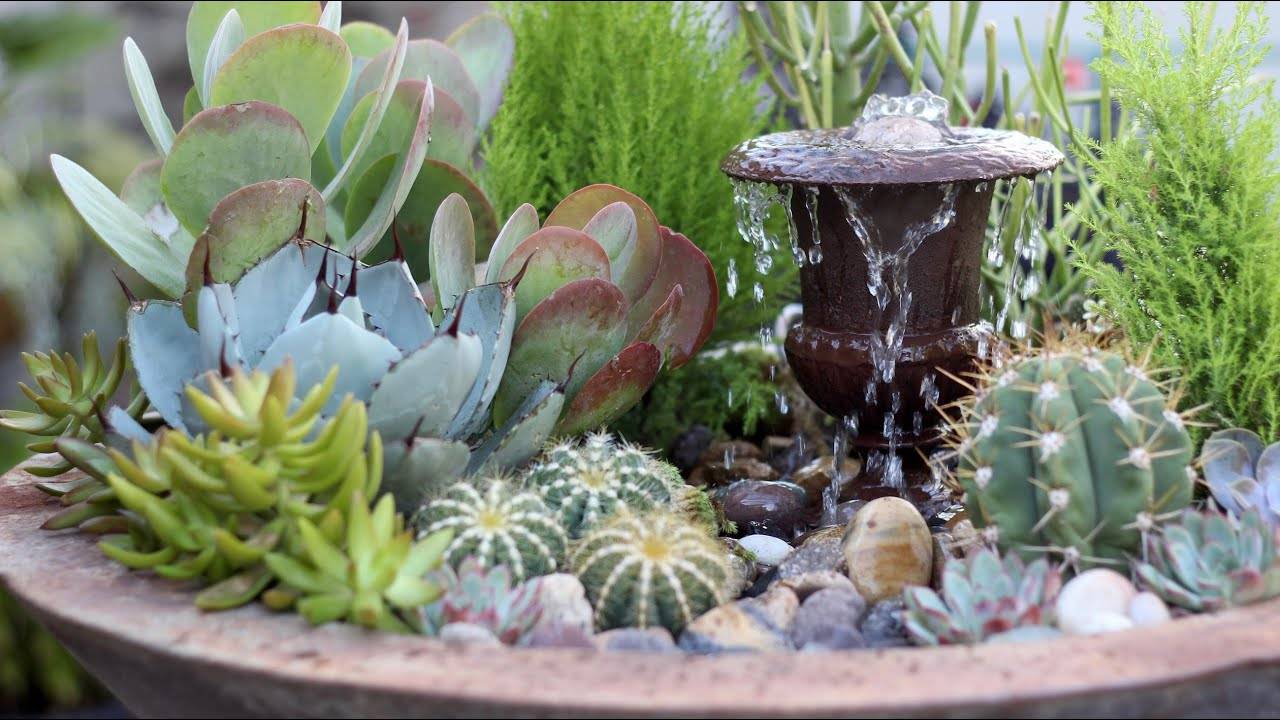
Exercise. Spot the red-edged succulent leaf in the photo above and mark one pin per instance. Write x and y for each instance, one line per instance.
(612, 390)
(579, 327)
(581, 206)
(660, 328)
(555, 256)
(250, 224)
(428, 59)
(683, 265)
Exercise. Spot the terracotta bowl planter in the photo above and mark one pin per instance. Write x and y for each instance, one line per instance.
(143, 638)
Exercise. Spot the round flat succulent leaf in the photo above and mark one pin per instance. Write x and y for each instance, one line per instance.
(521, 435)
(422, 393)
(318, 344)
(522, 223)
(551, 258)
(428, 59)
(582, 205)
(226, 148)
(395, 305)
(204, 18)
(1248, 440)
(614, 227)
(165, 353)
(397, 124)
(660, 329)
(191, 105)
(422, 468)
(381, 192)
(452, 250)
(486, 45)
(141, 192)
(366, 39)
(251, 223)
(453, 133)
(685, 265)
(1267, 470)
(612, 390)
(579, 327)
(1227, 466)
(301, 68)
(434, 183)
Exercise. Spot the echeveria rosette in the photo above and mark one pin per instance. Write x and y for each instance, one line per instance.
(982, 597)
(1242, 474)
(292, 110)
(607, 299)
(485, 596)
(428, 390)
(1207, 561)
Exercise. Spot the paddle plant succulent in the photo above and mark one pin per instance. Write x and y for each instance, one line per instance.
(1208, 561)
(982, 597)
(497, 524)
(293, 112)
(1072, 450)
(483, 595)
(1242, 474)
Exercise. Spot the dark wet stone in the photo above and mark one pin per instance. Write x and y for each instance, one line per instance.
(761, 584)
(787, 454)
(689, 446)
(762, 507)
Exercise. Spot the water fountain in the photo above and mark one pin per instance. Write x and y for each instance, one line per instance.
(887, 220)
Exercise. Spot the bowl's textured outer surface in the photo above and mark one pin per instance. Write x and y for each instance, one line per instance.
(162, 657)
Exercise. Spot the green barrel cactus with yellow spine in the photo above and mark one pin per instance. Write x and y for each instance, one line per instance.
(1072, 450)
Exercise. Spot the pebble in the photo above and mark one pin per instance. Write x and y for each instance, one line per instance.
(762, 507)
(688, 446)
(887, 548)
(819, 551)
(769, 550)
(828, 620)
(1095, 601)
(944, 549)
(745, 571)
(564, 602)
(723, 463)
(751, 625)
(558, 636)
(462, 634)
(1148, 609)
(809, 583)
(882, 625)
(653, 640)
(816, 477)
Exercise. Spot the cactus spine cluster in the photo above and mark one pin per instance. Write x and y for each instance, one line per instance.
(651, 570)
(1072, 450)
(497, 525)
(586, 482)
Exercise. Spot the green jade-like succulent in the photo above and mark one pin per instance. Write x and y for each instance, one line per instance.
(982, 597)
(291, 109)
(1072, 451)
(1208, 561)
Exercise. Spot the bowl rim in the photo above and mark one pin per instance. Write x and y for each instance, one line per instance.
(76, 590)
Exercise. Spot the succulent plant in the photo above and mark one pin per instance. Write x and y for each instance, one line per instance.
(1072, 450)
(608, 298)
(1242, 474)
(375, 577)
(71, 399)
(651, 570)
(497, 524)
(211, 506)
(586, 482)
(483, 595)
(981, 597)
(428, 392)
(1208, 561)
(290, 108)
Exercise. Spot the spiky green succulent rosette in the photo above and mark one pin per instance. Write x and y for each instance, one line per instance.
(651, 570)
(495, 523)
(586, 482)
(485, 596)
(1072, 450)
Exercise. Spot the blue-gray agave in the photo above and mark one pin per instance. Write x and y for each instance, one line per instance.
(428, 389)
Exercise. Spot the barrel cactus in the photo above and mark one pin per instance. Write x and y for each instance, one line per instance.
(290, 108)
(982, 597)
(497, 524)
(1242, 474)
(1072, 450)
(651, 570)
(608, 299)
(588, 481)
(1209, 561)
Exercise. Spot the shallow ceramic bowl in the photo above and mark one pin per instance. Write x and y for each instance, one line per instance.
(143, 638)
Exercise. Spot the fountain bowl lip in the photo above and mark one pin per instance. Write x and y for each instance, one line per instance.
(831, 157)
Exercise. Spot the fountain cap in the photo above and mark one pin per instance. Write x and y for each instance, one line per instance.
(897, 141)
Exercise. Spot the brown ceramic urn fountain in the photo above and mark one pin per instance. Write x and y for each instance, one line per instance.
(887, 220)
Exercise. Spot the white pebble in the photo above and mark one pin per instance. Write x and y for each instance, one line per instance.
(769, 550)
(1089, 597)
(1148, 609)
(1103, 622)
